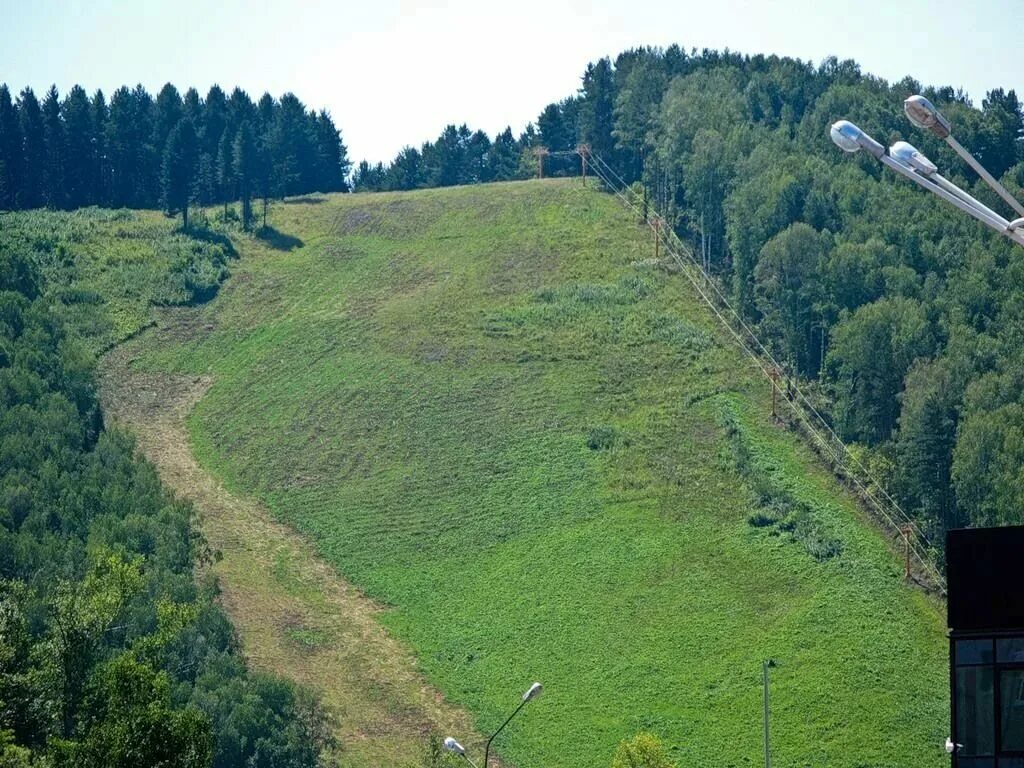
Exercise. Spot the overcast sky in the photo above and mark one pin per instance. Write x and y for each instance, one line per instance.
(393, 72)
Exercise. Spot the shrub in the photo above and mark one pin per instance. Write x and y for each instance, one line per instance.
(644, 750)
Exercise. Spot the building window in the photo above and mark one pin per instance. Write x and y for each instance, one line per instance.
(975, 710)
(1011, 710)
(988, 702)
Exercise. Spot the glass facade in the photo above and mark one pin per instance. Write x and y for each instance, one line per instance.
(988, 702)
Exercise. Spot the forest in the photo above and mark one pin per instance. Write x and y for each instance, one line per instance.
(113, 651)
(171, 151)
(903, 315)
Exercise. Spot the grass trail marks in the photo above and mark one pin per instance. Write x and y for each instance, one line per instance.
(295, 615)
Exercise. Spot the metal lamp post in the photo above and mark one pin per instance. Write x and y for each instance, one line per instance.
(765, 666)
(911, 164)
(455, 747)
(923, 114)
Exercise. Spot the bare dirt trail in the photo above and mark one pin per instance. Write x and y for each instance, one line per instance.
(296, 617)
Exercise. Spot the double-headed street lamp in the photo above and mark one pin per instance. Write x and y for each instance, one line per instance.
(453, 746)
(910, 163)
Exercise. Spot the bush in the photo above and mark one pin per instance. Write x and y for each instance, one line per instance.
(644, 750)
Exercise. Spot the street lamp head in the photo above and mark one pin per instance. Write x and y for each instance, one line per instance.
(908, 155)
(453, 746)
(849, 138)
(533, 692)
(923, 114)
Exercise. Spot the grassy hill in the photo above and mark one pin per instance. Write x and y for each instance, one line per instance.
(492, 412)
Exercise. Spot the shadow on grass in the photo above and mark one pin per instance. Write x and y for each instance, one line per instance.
(304, 200)
(207, 235)
(278, 240)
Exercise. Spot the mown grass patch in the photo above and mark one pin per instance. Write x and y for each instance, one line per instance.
(492, 414)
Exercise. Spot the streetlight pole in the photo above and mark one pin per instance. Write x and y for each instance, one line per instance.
(924, 115)
(765, 666)
(911, 164)
(453, 746)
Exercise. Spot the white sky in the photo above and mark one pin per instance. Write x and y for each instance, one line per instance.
(394, 72)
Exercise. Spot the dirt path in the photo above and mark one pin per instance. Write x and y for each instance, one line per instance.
(295, 615)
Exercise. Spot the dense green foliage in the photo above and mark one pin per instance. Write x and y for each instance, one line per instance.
(138, 152)
(459, 156)
(493, 413)
(111, 652)
(905, 312)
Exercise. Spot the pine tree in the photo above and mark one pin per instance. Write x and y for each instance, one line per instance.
(55, 138)
(226, 169)
(266, 110)
(80, 143)
(147, 192)
(503, 157)
(30, 115)
(264, 171)
(333, 157)
(192, 107)
(169, 111)
(10, 151)
(292, 147)
(240, 109)
(100, 165)
(215, 120)
(122, 147)
(245, 167)
(179, 169)
(204, 191)
(596, 110)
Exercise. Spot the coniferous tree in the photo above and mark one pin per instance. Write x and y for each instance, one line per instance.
(80, 148)
(169, 111)
(266, 110)
(406, 172)
(55, 139)
(30, 116)
(292, 147)
(100, 165)
(240, 110)
(10, 152)
(215, 120)
(503, 157)
(192, 106)
(148, 194)
(226, 177)
(264, 173)
(246, 169)
(596, 109)
(206, 190)
(179, 170)
(333, 158)
(123, 148)
(554, 133)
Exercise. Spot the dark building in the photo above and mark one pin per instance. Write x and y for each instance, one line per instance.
(985, 580)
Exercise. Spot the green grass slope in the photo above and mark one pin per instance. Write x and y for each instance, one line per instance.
(491, 412)
(108, 268)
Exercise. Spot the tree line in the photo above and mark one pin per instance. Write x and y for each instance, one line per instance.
(462, 156)
(902, 314)
(170, 151)
(113, 651)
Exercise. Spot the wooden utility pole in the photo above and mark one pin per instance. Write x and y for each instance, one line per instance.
(541, 153)
(905, 530)
(774, 373)
(656, 224)
(583, 150)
